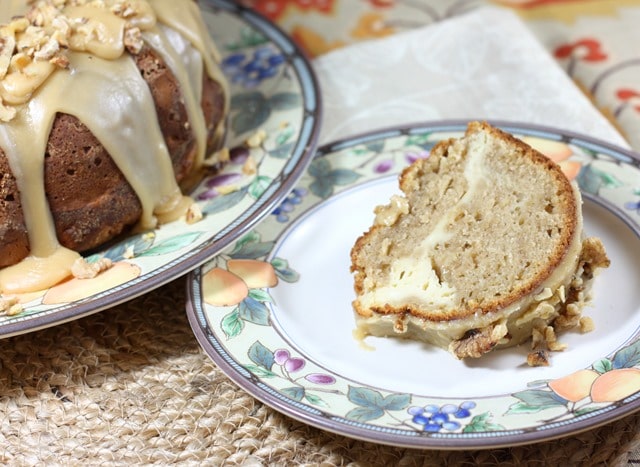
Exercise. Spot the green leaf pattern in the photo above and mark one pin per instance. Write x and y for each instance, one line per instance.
(373, 405)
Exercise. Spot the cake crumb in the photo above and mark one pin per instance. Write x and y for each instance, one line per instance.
(586, 324)
(256, 139)
(217, 158)
(538, 357)
(129, 252)
(81, 269)
(250, 167)
(194, 214)
(226, 189)
(10, 306)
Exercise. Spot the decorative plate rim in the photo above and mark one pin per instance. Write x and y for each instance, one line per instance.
(332, 423)
(298, 159)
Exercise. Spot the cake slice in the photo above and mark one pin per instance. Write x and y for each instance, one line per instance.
(484, 249)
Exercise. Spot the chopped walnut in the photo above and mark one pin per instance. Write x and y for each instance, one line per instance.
(546, 293)
(256, 139)
(7, 113)
(81, 269)
(222, 155)
(194, 214)
(123, 9)
(477, 342)
(10, 306)
(133, 40)
(561, 294)
(543, 339)
(250, 167)
(48, 50)
(538, 358)
(586, 324)
(60, 61)
(62, 30)
(552, 340)
(45, 34)
(14, 309)
(129, 252)
(7, 46)
(569, 317)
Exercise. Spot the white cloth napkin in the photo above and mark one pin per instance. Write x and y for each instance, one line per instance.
(485, 64)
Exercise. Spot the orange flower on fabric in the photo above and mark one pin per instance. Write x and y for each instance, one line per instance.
(313, 43)
(275, 9)
(585, 50)
(630, 98)
(323, 6)
(383, 3)
(370, 26)
(589, 50)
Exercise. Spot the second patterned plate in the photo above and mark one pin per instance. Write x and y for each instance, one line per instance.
(281, 326)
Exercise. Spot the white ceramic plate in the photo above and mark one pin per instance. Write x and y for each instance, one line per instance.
(291, 345)
(272, 88)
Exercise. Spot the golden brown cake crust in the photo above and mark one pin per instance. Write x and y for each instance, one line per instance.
(429, 168)
(14, 244)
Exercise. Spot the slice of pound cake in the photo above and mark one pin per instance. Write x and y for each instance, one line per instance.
(484, 249)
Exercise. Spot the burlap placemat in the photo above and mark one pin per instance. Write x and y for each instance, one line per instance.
(131, 386)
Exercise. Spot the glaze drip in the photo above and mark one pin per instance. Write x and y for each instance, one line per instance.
(92, 43)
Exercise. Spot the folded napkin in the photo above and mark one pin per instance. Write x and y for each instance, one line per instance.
(484, 64)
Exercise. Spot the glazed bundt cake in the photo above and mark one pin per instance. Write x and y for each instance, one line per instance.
(483, 249)
(107, 109)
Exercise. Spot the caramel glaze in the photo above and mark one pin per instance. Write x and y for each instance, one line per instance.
(86, 158)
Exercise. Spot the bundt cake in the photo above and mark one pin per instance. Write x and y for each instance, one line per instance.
(483, 249)
(108, 109)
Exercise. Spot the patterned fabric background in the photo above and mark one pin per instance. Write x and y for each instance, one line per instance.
(596, 41)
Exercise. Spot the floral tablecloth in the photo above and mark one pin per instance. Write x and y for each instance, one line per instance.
(597, 42)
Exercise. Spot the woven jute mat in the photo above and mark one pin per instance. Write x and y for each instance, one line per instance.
(131, 386)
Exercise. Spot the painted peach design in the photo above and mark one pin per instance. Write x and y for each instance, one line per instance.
(256, 274)
(222, 288)
(228, 287)
(558, 152)
(79, 289)
(576, 386)
(612, 386)
(615, 385)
